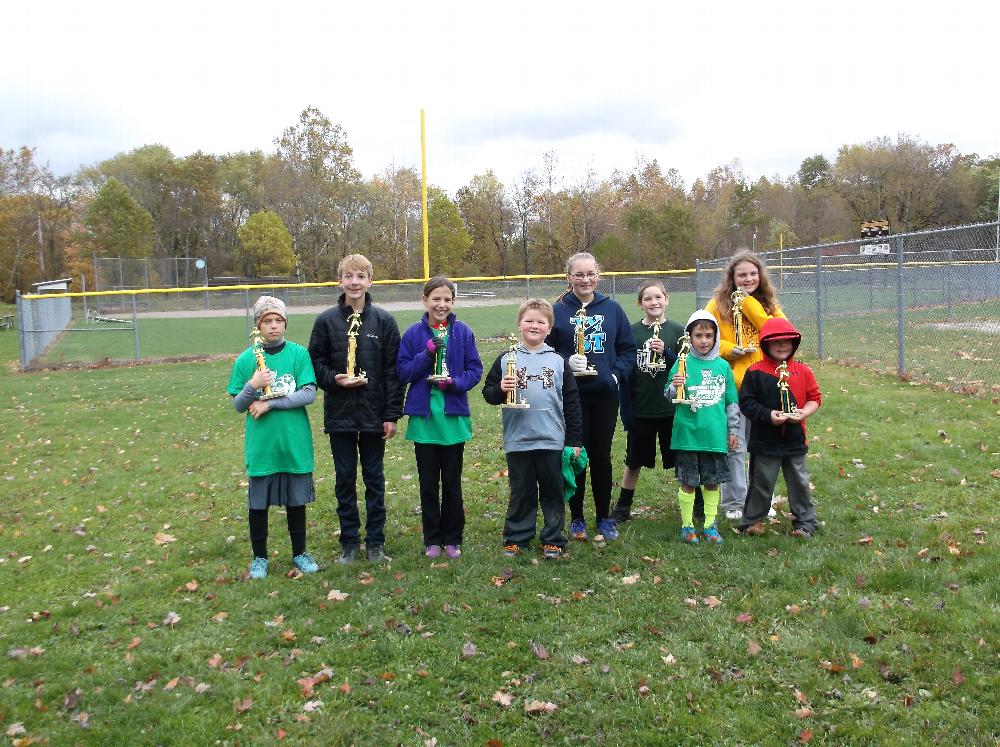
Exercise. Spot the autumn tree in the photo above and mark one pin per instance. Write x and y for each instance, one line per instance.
(490, 221)
(447, 238)
(117, 226)
(265, 246)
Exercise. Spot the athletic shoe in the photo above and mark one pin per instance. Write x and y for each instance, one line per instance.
(305, 563)
(452, 551)
(734, 514)
(621, 513)
(376, 553)
(432, 551)
(756, 530)
(608, 529)
(771, 513)
(689, 535)
(349, 555)
(711, 534)
(578, 530)
(802, 533)
(511, 551)
(258, 568)
(551, 552)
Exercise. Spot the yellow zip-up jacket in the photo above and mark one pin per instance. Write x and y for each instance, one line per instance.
(754, 317)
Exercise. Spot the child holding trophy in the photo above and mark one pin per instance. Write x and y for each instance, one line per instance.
(777, 396)
(439, 360)
(583, 316)
(353, 348)
(273, 382)
(535, 436)
(648, 416)
(742, 302)
(705, 423)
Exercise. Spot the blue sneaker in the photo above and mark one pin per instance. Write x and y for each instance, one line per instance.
(689, 535)
(258, 568)
(305, 563)
(578, 530)
(609, 528)
(711, 534)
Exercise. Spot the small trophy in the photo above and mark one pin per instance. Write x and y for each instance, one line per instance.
(738, 295)
(354, 376)
(783, 390)
(683, 346)
(579, 326)
(440, 362)
(656, 362)
(515, 401)
(257, 344)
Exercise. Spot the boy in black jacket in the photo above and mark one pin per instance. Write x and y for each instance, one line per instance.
(359, 416)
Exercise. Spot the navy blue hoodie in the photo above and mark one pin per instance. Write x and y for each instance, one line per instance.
(608, 341)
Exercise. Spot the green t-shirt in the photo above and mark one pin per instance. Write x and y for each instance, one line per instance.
(281, 440)
(438, 428)
(647, 386)
(711, 383)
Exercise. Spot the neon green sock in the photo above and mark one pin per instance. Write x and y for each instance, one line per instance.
(686, 501)
(711, 504)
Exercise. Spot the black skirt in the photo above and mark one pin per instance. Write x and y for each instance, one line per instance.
(281, 489)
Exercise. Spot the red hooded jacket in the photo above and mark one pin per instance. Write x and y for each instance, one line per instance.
(759, 395)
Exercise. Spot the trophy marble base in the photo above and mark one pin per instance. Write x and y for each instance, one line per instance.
(752, 349)
(437, 377)
(271, 395)
(657, 366)
(354, 381)
(586, 372)
(680, 401)
(515, 406)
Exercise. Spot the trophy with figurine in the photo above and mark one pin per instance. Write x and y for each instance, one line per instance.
(579, 334)
(257, 345)
(656, 362)
(354, 376)
(783, 390)
(441, 354)
(683, 348)
(738, 296)
(515, 397)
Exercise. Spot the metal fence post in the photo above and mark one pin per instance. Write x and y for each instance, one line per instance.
(246, 305)
(900, 307)
(819, 302)
(697, 282)
(948, 270)
(22, 342)
(135, 330)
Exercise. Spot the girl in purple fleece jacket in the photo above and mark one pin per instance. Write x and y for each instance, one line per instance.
(439, 422)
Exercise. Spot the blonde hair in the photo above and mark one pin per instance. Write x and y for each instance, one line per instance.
(536, 304)
(355, 262)
(647, 284)
(724, 290)
(569, 266)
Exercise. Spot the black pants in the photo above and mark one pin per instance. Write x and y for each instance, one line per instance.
(346, 448)
(600, 419)
(535, 477)
(296, 516)
(444, 520)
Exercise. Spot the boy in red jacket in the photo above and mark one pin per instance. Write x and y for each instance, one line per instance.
(777, 435)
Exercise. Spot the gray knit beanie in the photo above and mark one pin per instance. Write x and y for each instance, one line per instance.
(268, 305)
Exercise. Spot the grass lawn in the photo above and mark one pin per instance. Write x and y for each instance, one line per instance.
(125, 616)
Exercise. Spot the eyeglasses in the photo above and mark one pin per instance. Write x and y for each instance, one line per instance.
(583, 275)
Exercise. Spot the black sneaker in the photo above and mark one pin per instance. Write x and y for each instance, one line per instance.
(349, 555)
(376, 553)
(621, 513)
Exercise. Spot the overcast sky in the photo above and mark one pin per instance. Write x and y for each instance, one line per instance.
(599, 83)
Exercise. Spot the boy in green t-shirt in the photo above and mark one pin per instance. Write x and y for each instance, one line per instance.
(273, 383)
(705, 430)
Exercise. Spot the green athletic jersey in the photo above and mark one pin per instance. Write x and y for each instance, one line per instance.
(647, 386)
(712, 385)
(281, 440)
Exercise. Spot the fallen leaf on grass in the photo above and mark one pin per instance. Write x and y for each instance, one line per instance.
(744, 619)
(692, 603)
(312, 705)
(753, 648)
(866, 540)
(533, 707)
(630, 580)
(72, 698)
(805, 736)
(829, 666)
(336, 595)
(540, 651)
(957, 677)
(171, 684)
(162, 538)
(502, 699)
(201, 687)
(219, 616)
(242, 706)
(135, 642)
(711, 602)
(214, 660)
(171, 619)
(577, 659)
(669, 659)
(803, 712)
(16, 729)
(856, 661)
(469, 649)
(191, 585)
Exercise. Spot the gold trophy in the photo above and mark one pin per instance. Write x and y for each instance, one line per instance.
(354, 376)
(579, 326)
(683, 346)
(737, 298)
(783, 390)
(656, 362)
(514, 400)
(257, 345)
(440, 362)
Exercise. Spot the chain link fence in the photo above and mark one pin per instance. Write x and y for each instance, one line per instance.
(173, 323)
(924, 306)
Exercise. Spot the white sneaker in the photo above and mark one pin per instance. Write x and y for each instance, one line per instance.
(771, 513)
(734, 514)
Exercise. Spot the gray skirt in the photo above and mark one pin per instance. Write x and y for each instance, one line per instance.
(280, 489)
(696, 468)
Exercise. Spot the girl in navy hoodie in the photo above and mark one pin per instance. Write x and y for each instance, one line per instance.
(439, 421)
(609, 348)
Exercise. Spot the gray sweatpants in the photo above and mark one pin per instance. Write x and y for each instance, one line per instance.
(734, 492)
(764, 475)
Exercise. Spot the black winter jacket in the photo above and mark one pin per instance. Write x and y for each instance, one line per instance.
(364, 408)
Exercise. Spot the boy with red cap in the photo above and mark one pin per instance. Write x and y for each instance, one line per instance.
(777, 429)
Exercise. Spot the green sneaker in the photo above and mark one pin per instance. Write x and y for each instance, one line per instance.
(258, 568)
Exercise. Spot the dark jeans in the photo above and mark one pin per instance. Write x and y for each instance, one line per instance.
(535, 477)
(444, 520)
(600, 420)
(346, 448)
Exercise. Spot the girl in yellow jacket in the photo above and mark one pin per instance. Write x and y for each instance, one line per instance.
(746, 272)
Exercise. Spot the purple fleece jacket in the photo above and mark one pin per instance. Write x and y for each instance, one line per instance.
(414, 365)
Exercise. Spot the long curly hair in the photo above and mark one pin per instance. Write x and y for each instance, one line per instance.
(724, 290)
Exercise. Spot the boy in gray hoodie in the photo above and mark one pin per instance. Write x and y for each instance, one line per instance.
(705, 430)
(534, 437)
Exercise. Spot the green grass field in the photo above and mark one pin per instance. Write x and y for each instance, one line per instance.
(125, 616)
